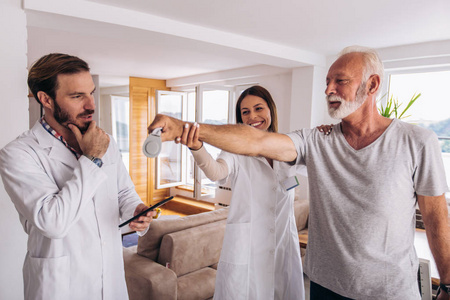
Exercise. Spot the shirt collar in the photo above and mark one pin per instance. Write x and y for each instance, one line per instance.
(58, 136)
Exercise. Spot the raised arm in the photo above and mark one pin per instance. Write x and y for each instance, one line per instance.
(240, 139)
(213, 169)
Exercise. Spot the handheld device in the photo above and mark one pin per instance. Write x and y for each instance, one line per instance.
(146, 211)
(152, 144)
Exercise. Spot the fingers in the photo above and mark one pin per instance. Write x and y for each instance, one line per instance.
(185, 135)
(190, 138)
(194, 137)
(157, 122)
(142, 222)
(171, 127)
(192, 134)
(197, 132)
(94, 141)
(77, 132)
(326, 129)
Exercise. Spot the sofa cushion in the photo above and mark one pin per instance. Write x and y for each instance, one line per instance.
(192, 249)
(147, 279)
(301, 212)
(197, 285)
(149, 244)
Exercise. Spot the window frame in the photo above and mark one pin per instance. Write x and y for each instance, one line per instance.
(199, 89)
(125, 158)
(158, 95)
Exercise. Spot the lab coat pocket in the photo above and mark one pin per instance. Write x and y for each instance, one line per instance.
(47, 278)
(236, 244)
(231, 282)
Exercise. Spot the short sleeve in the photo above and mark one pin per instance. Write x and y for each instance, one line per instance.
(429, 176)
(299, 140)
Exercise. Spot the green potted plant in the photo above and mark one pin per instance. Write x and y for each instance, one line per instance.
(392, 108)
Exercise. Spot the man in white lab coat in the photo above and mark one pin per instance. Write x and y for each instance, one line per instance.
(67, 181)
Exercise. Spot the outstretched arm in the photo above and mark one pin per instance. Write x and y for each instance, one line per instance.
(213, 169)
(240, 139)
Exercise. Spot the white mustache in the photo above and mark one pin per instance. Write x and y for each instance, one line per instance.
(334, 98)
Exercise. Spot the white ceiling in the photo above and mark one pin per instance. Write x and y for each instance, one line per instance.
(167, 39)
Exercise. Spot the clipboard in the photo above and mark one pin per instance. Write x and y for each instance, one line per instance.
(146, 211)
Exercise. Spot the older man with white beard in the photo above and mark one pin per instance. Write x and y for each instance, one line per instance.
(365, 179)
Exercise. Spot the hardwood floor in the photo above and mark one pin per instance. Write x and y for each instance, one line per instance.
(183, 206)
(168, 212)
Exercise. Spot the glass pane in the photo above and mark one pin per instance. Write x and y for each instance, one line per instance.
(214, 111)
(120, 126)
(432, 108)
(215, 107)
(170, 158)
(171, 105)
(170, 163)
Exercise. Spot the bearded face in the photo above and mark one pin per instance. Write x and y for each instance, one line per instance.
(346, 107)
(63, 117)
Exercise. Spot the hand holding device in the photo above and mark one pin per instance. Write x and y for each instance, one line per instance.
(146, 211)
(152, 145)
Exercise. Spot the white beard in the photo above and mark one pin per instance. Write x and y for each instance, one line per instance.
(347, 107)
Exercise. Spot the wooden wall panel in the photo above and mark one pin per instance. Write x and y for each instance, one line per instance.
(142, 112)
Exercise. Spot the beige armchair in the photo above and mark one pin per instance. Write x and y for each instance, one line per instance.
(177, 259)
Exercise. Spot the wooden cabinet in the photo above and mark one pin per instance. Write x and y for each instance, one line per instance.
(142, 112)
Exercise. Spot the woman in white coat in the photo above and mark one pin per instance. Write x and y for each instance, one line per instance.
(260, 258)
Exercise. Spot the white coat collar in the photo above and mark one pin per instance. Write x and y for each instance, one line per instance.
(56, 149)
(276, 163)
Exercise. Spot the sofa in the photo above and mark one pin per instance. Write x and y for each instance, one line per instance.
(177, 258)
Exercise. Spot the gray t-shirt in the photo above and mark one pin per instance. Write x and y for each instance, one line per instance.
(362, 211)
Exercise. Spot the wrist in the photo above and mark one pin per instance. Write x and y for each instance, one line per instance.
(193, 149)
(95, 160)
(443, 289)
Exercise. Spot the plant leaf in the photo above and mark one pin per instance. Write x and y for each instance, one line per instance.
(411, 102)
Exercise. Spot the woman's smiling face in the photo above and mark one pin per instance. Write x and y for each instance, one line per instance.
(255, 112)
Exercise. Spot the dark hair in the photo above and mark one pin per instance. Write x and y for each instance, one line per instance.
(260, 92)
(43, 75)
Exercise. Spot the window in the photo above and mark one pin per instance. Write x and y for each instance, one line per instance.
(176, 166)
(170, 163)
(120, 126)
(213, 106)
(431, 110)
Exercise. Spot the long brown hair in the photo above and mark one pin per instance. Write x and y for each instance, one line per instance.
(264, 94)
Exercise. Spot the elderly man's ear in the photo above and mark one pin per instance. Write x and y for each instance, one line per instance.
(373, 84)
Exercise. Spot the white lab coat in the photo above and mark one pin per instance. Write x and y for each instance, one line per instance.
(260, 257)
(70, 210)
